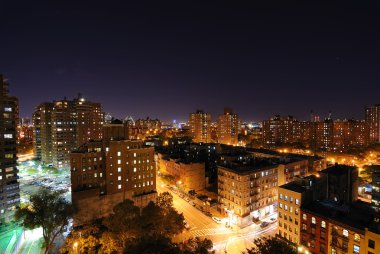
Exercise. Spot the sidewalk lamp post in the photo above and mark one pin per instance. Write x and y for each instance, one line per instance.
(75, 247)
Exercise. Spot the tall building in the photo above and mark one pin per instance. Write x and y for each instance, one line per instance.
(61, 126)
(228, 127)
(279, 131)
(200, 126)
(9, 186)
(372, 118)
(104, 173)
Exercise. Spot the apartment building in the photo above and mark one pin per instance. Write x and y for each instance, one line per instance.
(104, 173)
(9, 186)
(228, 127)
(187, 173)
(247, 190)
(200, 126)
(63, 125)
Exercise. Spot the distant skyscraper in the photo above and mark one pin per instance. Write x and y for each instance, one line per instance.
(200, 126)
(228, 127)
(9, 186)
(61, 126)
(372, 118)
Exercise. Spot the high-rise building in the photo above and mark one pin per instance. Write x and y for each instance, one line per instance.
(61, 126)
(200, 126)
(228, 127)
(104, 173)
(279, 131)
(372, 118)
(9, 186)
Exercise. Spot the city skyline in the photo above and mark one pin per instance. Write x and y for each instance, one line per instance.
(166, 61)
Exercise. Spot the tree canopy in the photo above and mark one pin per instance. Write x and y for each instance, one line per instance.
(48, 210)
(270, 245)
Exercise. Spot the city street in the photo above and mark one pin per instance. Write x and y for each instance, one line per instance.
(225, 239)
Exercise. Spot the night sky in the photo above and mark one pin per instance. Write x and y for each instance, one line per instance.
(166, 59)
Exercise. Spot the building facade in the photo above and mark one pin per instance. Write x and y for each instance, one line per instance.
(200, 126)
(9, 186)
(372, 118)
(64, 125)
(228, 128)
(247, 192)
(187, 174)
(104, 174)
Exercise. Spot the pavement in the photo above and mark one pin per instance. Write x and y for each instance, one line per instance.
(225, 240)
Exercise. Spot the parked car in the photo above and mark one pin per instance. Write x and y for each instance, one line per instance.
(217, 220)
(187, 226)
(264, 224)
(192, 203)
(272, 220)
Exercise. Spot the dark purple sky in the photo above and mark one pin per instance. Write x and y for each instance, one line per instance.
(166, 59)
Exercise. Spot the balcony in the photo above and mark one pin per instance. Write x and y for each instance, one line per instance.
(337, 245)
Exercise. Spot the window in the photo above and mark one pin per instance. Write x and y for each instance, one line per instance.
(323, 235)
(312, 244)
(297, 201)
(333, 251)
(119, 178)
(119, 186)
(304, 216)
(286, 207)
(7, 109)
(134, 170)
(371, 243)
(134, 154)
(119, 162)
(280, 205)
(118, 153)
(8, 136)
(322, 248)
(357, 238)
(119, 169)
(345, 232)
(323, 224)
(313, 220)
(280, 196)
(356, 249)
(304, 227)
(313, 231)
(286, 198)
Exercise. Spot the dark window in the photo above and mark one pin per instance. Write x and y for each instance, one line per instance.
(371, 244)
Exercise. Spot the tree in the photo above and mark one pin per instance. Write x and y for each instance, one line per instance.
(165, 201)
(156, 220)
(151, 245)
(84, 239)
(270, 245)
(49, 210)
(197, 246)
(124, 221)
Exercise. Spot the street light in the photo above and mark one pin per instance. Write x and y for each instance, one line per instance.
(76, 247)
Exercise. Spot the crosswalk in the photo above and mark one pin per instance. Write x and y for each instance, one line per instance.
(209, 231)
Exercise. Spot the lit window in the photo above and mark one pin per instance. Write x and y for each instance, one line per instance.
(281, 205)
(297, 201)
(357, 238)
(345, 232)
(119, 169)
(280, 196)
(304, 216)
(119, 162)
(286, 207)
(313, 220)
(134, 154)
(286, 198)
(119, 178)
(8, 136)
(118, 153)
(119, 186)
(134, 169)
(7, 109)
(356, 249)
(323, 224)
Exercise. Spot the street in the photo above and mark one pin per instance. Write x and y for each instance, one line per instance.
(225, 240)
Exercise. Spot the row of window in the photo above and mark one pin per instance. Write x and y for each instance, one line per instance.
(286, 198)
